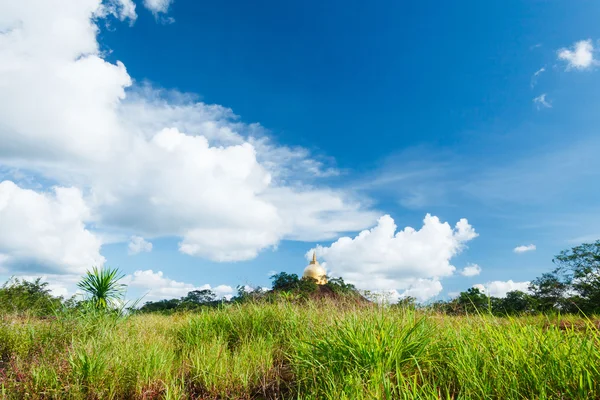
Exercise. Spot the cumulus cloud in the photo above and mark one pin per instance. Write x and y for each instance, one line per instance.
(541, 102)
(580, 56)
(471, 270)
(409, 261)
(143, 161)
(45, 232)
(500, 288)
(158, 287)
(523, 249)
(137, 244)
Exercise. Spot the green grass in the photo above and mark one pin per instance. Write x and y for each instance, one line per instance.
(293, 351)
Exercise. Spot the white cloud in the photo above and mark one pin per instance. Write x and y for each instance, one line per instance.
(137, 244)
(471, 270)
(158, 7)
(541, 102)
(121, 9)
(523, 249)
(580, 56)
(145, 161)
(500, 288)
(422, 289)
(410, 261)
(45, 232)
(158, 287)
(535, 76)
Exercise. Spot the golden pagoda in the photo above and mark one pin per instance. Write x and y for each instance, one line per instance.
(315, 271)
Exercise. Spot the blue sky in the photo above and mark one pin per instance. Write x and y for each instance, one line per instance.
(479, 110)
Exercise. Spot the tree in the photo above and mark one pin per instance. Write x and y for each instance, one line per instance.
(285, 281)
(339, 286)
(580, 268)
(161, 305)
(18, 296)
(548, 291)
(473, 300)
(200, 296)
(197, 298)
(516, 302)
(103, 287)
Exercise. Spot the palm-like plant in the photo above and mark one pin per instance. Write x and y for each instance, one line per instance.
(103, 287)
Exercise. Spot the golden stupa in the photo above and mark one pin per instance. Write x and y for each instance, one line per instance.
(315, 271)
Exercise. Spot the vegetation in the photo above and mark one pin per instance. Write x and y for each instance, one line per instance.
(22, 296)
(102, 287)
(305, 341)
(310, 350)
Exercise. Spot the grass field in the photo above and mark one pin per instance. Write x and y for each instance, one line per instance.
(298, 351)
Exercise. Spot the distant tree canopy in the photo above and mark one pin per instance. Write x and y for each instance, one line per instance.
(572, 287)
(195, 299)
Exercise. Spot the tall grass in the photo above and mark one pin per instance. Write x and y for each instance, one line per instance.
(286, 351)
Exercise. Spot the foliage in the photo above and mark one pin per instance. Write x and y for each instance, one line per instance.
(339, 286)
(516, 302)
(473, 300)
(33, 297)
(103, 287)
(548, 290)
(579, 268)
(194, 300)
(284, 281)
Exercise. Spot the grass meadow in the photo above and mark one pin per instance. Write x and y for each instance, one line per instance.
(314, 350)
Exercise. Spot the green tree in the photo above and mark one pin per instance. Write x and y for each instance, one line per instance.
(339, 286)
(548, 291)
(473, 300)
(284, 281)
(516, 302)
(161, 306)
(200, 296)
(103, 287)
(579, 268)
(18, 296)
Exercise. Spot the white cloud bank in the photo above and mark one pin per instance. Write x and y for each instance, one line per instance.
(135, 160)
(409, 261)
(501, 288)
(524, 249)
(580, 56)
(137, 245)
(471, 270)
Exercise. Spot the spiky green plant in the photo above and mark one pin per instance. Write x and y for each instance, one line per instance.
(103, 287)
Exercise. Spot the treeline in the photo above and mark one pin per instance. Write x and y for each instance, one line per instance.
(572, 287)
(284, 287)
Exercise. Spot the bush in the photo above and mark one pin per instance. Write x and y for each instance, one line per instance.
(31, 297)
